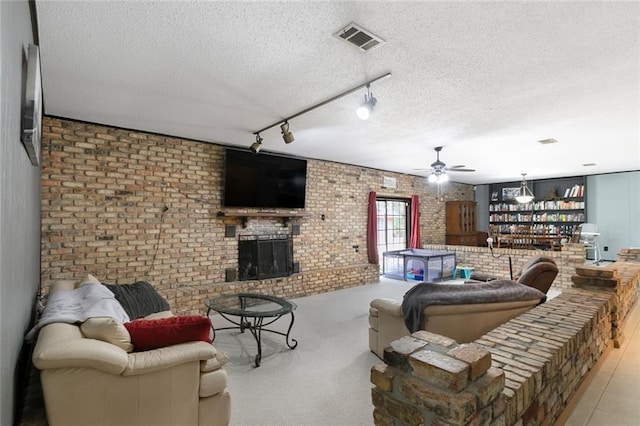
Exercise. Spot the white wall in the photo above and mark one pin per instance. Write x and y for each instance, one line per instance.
(19, 205)
(613, 203)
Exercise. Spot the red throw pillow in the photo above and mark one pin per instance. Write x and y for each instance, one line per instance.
(158, 333)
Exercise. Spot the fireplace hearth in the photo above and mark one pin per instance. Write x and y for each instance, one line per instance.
(264, 256)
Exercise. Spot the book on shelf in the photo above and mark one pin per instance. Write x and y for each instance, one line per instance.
(575, 191)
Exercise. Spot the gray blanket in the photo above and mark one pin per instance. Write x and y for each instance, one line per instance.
(425, 294)
(78, 305)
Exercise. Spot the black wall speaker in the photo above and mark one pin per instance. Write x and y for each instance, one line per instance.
(230, 274)
(229, 231)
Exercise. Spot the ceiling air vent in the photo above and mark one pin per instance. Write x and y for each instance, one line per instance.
(359, 37)
(547, 141)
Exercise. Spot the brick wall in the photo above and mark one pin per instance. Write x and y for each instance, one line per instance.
(523, 372)
(104, 192)
(482, 260)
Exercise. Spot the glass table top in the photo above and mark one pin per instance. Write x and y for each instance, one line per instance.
(251, 305)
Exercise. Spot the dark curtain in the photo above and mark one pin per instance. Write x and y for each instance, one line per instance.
(372, 230)
(414, 242)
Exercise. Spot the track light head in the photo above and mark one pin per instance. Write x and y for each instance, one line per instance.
(366, 108)
(287, 136)
(257, 145)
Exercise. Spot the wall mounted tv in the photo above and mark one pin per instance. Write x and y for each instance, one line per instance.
(264, 180)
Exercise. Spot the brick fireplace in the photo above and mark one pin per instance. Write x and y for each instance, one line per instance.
(264, 256)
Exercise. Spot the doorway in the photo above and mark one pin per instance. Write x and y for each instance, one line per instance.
(393, 224)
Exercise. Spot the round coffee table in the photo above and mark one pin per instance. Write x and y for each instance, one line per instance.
(255, 311)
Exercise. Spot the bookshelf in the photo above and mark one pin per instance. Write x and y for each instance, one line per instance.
(558, 206)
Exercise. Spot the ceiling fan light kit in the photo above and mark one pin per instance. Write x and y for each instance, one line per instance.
(438, 177)
(439, 169)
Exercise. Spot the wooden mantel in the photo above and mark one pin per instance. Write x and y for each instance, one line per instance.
(245, 215)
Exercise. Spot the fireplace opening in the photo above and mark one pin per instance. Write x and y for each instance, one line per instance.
(264, 256)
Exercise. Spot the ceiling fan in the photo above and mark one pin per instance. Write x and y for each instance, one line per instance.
(439, 169)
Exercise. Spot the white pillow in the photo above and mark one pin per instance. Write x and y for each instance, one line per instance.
(108, 330)
(89, 279)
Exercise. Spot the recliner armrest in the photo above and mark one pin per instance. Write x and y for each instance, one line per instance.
(539, 276)
(389, 306)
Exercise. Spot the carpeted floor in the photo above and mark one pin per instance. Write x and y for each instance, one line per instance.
(325, 380)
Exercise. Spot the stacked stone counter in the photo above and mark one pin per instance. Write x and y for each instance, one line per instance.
(523, 372)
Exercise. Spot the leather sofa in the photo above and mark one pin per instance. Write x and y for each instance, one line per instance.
(88, 381)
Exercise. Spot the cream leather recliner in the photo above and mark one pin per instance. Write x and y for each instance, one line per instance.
(463, 323)
(92, 382)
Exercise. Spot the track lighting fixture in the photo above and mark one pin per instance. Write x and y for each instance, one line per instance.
(257, 145)
(366, 108)
(525, 195)
(287, 136)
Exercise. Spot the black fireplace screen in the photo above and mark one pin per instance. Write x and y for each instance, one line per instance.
(264, 256)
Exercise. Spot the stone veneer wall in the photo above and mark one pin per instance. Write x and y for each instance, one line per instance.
(538, 359)
(523, 372)
(104, 190)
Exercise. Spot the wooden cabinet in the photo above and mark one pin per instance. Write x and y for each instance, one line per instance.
(461, 223)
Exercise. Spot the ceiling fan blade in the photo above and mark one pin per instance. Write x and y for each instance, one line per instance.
(459, 169)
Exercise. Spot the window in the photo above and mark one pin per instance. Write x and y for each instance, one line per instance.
(393, 224)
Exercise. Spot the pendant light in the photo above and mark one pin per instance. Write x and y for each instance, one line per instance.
(525, 195)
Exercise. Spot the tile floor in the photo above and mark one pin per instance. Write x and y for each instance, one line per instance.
(610, 393)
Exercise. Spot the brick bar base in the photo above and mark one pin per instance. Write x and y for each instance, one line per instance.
(537, 360)
(622, 279)
(523, 372)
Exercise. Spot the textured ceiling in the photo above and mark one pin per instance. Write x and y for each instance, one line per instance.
(486, 80)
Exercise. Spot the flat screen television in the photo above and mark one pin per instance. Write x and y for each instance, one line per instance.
(264, 180)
